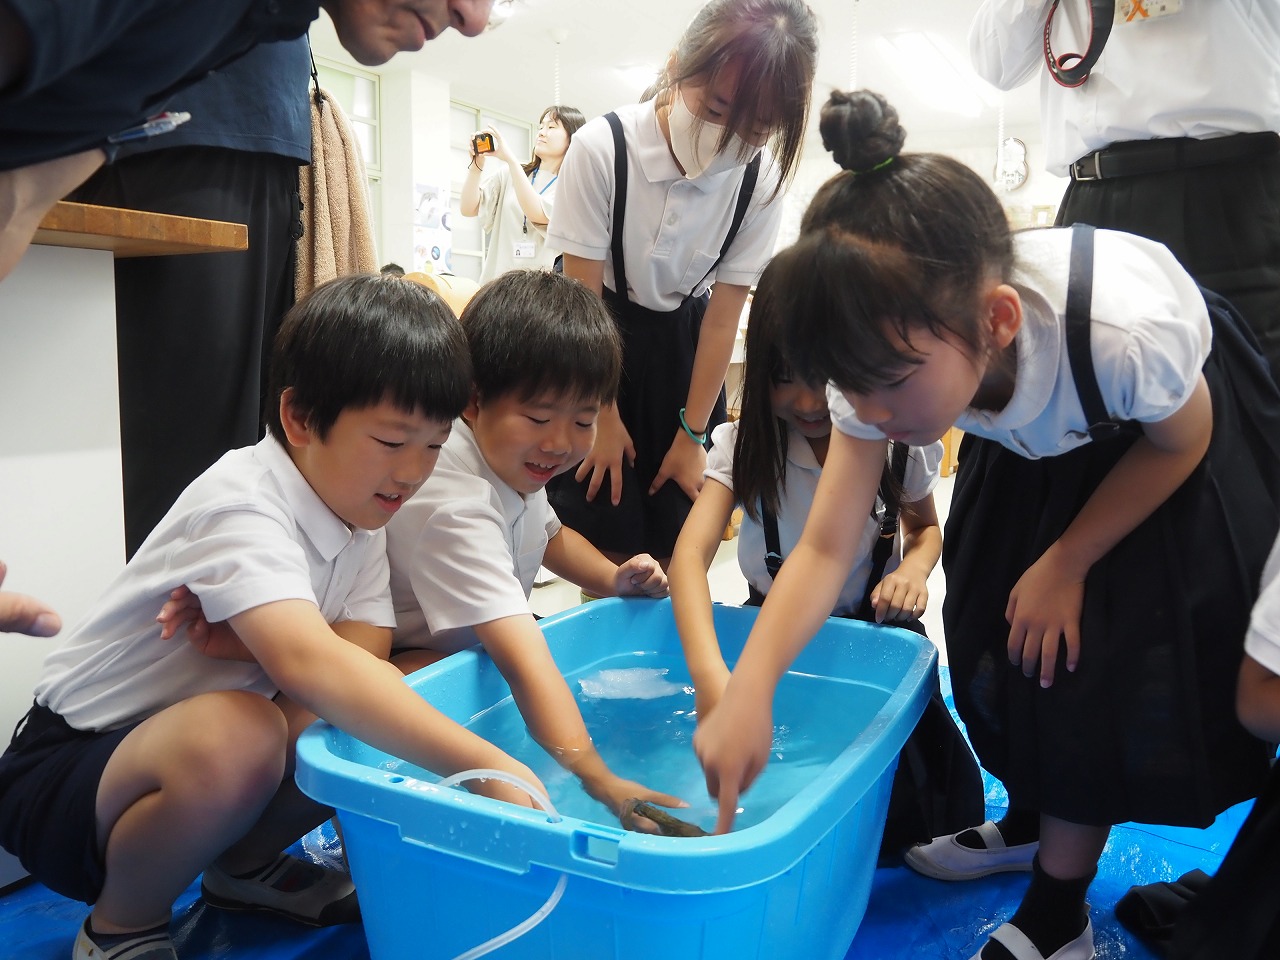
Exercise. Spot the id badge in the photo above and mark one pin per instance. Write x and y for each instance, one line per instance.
(524, 250)
(1139, 11)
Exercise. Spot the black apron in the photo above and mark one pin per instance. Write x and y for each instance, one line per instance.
(657, 365)
(1145, 729)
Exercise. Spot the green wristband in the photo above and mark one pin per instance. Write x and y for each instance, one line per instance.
(700, 438)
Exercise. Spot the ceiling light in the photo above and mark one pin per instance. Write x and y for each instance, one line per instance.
(935, 73)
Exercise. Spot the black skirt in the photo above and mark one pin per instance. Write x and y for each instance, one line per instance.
(657, 366)
(1145, 729)
(1237, 913)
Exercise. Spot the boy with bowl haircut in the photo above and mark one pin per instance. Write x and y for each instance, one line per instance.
(465, 549)
(143, 762)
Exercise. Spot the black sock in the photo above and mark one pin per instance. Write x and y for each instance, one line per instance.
(1052, 914)
(1017, 826)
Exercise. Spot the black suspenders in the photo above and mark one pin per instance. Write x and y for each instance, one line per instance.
(749, 177)
(1079, 353)
(899, 453)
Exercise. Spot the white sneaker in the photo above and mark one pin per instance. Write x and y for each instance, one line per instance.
(146, 946)
(1018, 944)
(944, 859)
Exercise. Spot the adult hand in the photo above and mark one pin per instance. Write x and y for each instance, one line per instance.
(613, 443)
(1044, 611)
(20, 613)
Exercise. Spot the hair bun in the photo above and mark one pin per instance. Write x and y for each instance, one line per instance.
(861, 130)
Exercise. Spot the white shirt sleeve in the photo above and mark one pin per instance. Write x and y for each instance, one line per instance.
(1006, 41)
(923, 472)
(239, 557)
(462, 571)
(845, 420)
(1262, 642)
(720, 456)
(1148, 359)
(582, 222)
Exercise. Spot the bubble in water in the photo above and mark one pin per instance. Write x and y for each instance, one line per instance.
(631, 683)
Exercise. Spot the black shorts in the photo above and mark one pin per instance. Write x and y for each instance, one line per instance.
(49, 780)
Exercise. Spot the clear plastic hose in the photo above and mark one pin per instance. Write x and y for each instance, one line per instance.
(520, 929)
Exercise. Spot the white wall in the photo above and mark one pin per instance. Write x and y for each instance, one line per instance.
(61, 514)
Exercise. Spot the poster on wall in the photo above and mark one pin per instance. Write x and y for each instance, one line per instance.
(432, 235)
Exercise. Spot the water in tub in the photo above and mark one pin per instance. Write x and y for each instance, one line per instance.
(640, 713)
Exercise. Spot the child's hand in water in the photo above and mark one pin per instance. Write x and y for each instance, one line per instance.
(614, 792)
(901, 595)
(1044, 609)
(215, 640)
(733, 747)
(641, 576)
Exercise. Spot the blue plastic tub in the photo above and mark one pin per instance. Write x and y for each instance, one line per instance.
(440, 871)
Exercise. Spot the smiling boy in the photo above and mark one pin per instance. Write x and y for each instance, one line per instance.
(464, 551)
(143, 763)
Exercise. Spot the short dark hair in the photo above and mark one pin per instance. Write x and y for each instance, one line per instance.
(362, 339)
(534, 331)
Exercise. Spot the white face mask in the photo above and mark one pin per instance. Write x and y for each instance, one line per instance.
(697, 154)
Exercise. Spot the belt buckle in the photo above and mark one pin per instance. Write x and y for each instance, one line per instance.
(1079, 170)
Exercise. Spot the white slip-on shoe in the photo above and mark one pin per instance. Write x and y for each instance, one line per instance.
(1018, 944)
(944, 859)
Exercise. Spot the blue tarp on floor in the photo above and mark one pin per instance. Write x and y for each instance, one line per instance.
(908, 916)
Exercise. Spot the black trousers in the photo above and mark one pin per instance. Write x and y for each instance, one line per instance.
(1222, 222)
(194, 332)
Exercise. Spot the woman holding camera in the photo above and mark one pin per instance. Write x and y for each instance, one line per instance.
(516, 199)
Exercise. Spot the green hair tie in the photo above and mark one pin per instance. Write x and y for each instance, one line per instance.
(879, 166)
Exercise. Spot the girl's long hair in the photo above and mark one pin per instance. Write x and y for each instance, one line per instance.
(760, 450)
(774, 44)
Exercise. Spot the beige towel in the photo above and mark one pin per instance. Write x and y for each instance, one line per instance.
(337, 235)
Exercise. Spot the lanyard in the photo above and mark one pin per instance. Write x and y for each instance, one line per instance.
(533, 180)
(1072, 69)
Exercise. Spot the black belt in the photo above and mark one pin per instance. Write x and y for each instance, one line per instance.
(1137, 157)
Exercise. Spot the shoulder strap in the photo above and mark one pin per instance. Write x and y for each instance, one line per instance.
(619, 203)
(745, 190)
(880, 553)
(772, 543)
(1079, 352)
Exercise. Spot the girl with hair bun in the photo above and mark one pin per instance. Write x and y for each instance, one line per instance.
(1119, 490)
(657, 202)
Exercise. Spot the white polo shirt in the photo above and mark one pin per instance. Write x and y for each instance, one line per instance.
(1150, 337)
(803, 472)
(1206, 71)
(465, 549)
(674, 226)
(1262, 642)
(250, 530)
